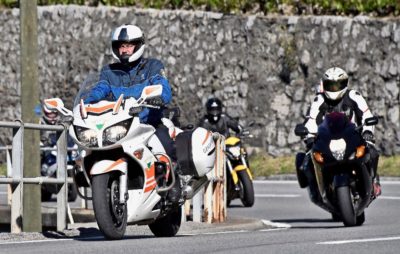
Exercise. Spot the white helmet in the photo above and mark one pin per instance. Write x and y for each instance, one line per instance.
(334, 83)
(127, 33)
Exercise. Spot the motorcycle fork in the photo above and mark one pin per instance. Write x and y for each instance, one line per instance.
(233, 172)
(123, 188)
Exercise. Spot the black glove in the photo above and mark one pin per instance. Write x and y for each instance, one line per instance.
(368, 136)
(155, 101)
(309, 143)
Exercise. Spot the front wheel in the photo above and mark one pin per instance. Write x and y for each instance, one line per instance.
(346, 206)
(111, 215)
(247, 189)
(168, 225)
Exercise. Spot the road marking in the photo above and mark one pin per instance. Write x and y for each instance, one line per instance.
(362, 240)
(277, 195)
(388, 197)
(55, 240)
(276, 224)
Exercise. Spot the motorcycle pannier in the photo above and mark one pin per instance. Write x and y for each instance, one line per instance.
(195, 150)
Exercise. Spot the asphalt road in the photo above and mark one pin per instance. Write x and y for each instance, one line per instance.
(298, 227)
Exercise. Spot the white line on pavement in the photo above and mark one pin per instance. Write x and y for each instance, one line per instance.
(362, 240)
(276, 224)
(388, 197)
(277, 195)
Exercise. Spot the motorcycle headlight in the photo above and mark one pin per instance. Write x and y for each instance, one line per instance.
(234, 150)
(116, 132)
(338, 148)
(86, 136)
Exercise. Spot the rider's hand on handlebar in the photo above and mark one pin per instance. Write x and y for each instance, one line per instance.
(155, 101)
(368, 136)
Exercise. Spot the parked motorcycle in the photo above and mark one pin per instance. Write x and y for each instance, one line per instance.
(125, 165)
(239, 176)
(340, 179)
(49, 168)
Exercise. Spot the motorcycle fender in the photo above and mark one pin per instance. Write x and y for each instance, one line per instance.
(242, 167)
(106, 166)
(341, 180)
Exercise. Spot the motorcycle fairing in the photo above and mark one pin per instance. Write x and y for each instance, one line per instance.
(106, 166)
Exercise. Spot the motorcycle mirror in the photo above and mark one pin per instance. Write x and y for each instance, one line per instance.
(371, 121)
(57, 104)
(300, 130)
(151, 92)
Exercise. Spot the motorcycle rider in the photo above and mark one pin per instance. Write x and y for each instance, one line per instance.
(128, 44)
(216, 121)
(334, 95)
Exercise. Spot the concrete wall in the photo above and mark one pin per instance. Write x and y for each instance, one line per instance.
(264, 68)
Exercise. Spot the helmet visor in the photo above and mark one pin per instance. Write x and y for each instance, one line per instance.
(215, 112)
(335, 86)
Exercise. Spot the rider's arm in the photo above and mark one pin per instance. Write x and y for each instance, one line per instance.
(233, 124)
(362, 109)
(156, 77)
(314, 115)
(99, 92)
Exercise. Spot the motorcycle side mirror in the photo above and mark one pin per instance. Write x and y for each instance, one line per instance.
(371, 121)
(300, 130)
(58, 105)
(151, 91)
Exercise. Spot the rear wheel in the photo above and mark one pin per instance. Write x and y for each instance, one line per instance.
(168, 225)
(247, 189)
(346, 206)
(111, 215)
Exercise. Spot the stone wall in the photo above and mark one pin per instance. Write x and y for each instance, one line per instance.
(264, 68)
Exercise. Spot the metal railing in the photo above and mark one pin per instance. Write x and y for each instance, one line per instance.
(15, 172)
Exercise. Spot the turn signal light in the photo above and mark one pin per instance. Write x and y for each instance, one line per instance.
(318, 157)
(360, 151)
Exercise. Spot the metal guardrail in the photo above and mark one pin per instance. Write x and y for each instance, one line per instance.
(15, 172)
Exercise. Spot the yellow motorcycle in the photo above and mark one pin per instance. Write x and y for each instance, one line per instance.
(239, 177)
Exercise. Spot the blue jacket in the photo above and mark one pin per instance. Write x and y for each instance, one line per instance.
(130, 81)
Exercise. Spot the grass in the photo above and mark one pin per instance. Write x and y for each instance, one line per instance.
(265, 165)
(3, 169)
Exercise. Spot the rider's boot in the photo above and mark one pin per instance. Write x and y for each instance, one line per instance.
(377, 190)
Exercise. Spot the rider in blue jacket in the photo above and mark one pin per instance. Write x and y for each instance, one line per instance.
(131, 73)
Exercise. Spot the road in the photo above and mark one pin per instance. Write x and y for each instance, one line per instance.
(300, 227)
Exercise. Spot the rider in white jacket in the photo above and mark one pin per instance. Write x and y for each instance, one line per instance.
(334, 95)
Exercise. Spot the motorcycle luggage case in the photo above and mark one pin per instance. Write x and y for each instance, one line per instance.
(195, 151)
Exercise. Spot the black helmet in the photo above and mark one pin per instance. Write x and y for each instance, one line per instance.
(214, 109)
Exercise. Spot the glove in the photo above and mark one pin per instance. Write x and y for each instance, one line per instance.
(309, 143)
(368, 136)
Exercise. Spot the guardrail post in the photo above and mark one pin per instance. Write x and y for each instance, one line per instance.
(62, 175)
(17, 188)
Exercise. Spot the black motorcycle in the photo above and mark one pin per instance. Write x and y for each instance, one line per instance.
(340, 178)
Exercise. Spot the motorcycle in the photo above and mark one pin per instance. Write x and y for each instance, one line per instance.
(339, 179)
(49, 168)
(239, 177)
(125, 165)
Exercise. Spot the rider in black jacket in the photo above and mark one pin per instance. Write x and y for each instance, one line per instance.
(216, 121)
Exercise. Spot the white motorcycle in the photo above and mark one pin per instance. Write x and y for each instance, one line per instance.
(125, 164)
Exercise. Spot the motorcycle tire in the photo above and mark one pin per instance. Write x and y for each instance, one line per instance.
(360, 219)
(46, 195)
(72, 192)
(247, 189)
(346, 206)
(168, 225)
(111, 216)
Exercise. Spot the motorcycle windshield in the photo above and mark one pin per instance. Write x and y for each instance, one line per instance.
(97, 83)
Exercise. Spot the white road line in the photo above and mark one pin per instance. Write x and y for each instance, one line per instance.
(276, 224)
(388, 197)
(362, 240)
(277, 195)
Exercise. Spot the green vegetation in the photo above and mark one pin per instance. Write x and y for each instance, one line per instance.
(3, 169)
(265, 165)
(296, 7)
